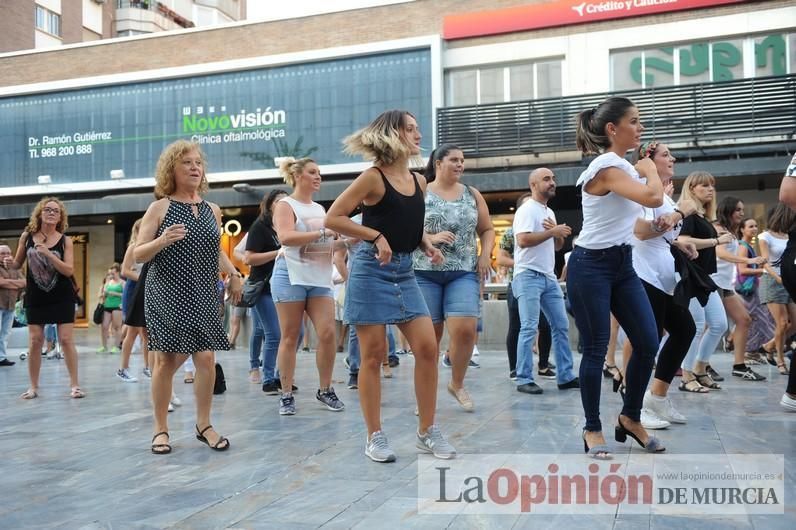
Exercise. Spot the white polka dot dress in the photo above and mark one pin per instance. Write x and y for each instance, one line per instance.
(181, 298)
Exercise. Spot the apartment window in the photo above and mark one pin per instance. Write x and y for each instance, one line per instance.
(498, 84)
(462, 87)
(711, 61)
(48, 21)
(490, 84)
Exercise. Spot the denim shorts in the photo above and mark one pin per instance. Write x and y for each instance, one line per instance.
(450, 293)
(382, 294)
(283, 291)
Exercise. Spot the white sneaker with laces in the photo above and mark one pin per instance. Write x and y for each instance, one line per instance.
(663, 408)
(175, 400)
(652, 422)
(124, 375)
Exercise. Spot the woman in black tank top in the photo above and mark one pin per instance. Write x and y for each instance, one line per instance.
(49, 296)
(382, 289)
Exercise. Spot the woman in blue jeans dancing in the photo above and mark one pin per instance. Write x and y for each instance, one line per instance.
(600, 277)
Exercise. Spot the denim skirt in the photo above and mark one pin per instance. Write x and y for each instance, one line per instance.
(382, 294)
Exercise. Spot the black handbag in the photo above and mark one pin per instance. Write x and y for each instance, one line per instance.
(98, 314)
(251, 293)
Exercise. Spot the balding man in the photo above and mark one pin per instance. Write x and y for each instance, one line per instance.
(11, 283)
(537, 236)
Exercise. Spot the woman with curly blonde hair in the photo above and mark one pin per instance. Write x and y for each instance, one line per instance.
(180, 238)
(49, 295)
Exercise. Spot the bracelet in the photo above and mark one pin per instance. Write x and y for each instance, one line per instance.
(715, 242)
(323, 235)
(682, 215)
(373, 242)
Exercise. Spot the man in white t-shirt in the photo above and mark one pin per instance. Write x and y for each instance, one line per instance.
(536, 238)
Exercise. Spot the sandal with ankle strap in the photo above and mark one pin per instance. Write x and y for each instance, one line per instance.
(598, 452)
(160, 449)
(77, 393)
(707, 381)
(692, 386)
(216, 446)
(783, 369)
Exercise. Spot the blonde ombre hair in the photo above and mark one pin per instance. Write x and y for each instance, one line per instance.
(381, 141)
(34, 223)
(693, 180)
(164, 172)
(134, 233)
(290, 168)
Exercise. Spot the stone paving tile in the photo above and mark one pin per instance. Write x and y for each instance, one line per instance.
(86, 463)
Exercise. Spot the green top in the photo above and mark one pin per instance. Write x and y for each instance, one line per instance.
(507, 244)
(113, 295)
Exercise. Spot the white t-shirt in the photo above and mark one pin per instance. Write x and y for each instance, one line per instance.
(608, 219)
(652, 258)
(724, 276)
(541, 258)
(309, 264)
(776, 247)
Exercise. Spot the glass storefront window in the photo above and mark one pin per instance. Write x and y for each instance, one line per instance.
(243, 120)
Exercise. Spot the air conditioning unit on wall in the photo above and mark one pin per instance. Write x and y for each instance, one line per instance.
(99, 1)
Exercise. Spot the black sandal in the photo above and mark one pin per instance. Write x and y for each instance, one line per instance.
(608, 370)
(160, 449)
(707, 381)
(215, 447)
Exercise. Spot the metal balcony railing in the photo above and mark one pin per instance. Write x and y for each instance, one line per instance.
(759, 107)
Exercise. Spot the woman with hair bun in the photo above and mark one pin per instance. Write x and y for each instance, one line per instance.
(600, 276)
(382, 288)
(456, 218)
(302, 280)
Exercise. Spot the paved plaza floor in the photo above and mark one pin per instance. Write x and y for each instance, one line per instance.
(86, 464)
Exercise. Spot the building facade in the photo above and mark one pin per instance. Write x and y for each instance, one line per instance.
(503, 79)
(41, 24)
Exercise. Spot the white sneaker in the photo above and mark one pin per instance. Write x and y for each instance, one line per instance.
(175, 400)
(652, 422)
(788, 403)
(171, 407)
(476, 353)
(663, 408)
(124, 375)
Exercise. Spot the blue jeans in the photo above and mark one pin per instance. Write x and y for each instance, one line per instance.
(6, 323)
(354, 359)
(535, 291)
(51, 333)
(256, 342)
(706, 340)
(601, 282)
(269, 322)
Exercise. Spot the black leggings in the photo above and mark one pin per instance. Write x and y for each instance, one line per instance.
(677, 320)
(789, 281)
(545, 337)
